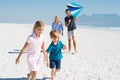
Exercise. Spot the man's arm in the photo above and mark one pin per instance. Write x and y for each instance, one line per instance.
(67, 23)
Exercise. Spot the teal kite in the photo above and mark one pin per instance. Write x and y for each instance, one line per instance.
(75, 9)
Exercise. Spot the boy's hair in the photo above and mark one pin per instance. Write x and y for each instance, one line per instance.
(38, 24)
(54, 34)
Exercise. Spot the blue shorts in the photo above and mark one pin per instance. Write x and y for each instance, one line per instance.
(55, 64)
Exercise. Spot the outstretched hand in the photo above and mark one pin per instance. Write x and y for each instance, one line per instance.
(64, 47)
(17, 61)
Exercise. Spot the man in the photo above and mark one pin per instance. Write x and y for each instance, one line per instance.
(70, 24)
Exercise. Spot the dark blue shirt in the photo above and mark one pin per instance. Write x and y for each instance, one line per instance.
(55, 51)
(72, 24)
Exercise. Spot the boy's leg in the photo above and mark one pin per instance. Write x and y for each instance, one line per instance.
(52, 66)
(52, 73)
(58, 66)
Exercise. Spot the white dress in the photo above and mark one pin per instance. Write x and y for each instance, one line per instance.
(34, 56)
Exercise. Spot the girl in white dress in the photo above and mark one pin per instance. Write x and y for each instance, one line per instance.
(34, 43)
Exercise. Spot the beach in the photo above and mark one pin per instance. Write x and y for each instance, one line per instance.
(98, 56)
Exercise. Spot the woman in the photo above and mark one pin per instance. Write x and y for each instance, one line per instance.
(57, 25)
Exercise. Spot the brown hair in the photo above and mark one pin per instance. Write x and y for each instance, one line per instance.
(67, 10)
(38, 24)
(54, 34)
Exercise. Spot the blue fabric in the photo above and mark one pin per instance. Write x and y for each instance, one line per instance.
(76, 13)
(55, 51)
(75, 9)
(58, 27)
(72, 25)
(75, 4)
(55, 64)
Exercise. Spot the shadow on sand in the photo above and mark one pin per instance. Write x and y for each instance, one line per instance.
(15, 51)
(45, 78)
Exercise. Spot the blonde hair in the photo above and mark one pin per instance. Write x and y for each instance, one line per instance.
(38, 24)
(56, 19)
(54, 34)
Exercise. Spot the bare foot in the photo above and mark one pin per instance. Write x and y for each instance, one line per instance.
(76, 51)
(69, 51)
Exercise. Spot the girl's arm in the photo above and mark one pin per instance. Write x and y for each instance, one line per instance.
(43, 50)
(21, 53)
(47, 59)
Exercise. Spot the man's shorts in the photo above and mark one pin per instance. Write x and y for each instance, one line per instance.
(71, 34)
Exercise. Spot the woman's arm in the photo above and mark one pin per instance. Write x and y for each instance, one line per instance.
(62, 29)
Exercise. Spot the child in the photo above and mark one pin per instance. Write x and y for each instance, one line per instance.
(55, 53)
(34, 43)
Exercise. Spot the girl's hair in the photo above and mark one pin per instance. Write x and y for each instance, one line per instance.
(38, 24)
(54, 34)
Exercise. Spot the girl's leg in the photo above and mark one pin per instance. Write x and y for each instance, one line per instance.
(34, 74)
(52, 73)
(29, 75)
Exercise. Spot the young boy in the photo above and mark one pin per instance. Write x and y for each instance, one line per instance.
(55, 53)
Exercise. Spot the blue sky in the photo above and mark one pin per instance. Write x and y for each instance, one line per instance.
(28, 11)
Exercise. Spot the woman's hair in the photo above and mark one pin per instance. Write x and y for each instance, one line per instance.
(54, 34)
(56, 19)
(38, 24)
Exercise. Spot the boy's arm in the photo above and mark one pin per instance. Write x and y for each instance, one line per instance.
(21, 53)
(64, 47)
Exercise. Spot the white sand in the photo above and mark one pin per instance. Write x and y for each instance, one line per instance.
(98, 55)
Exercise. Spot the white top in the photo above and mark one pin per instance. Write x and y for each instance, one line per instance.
(35, 44)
